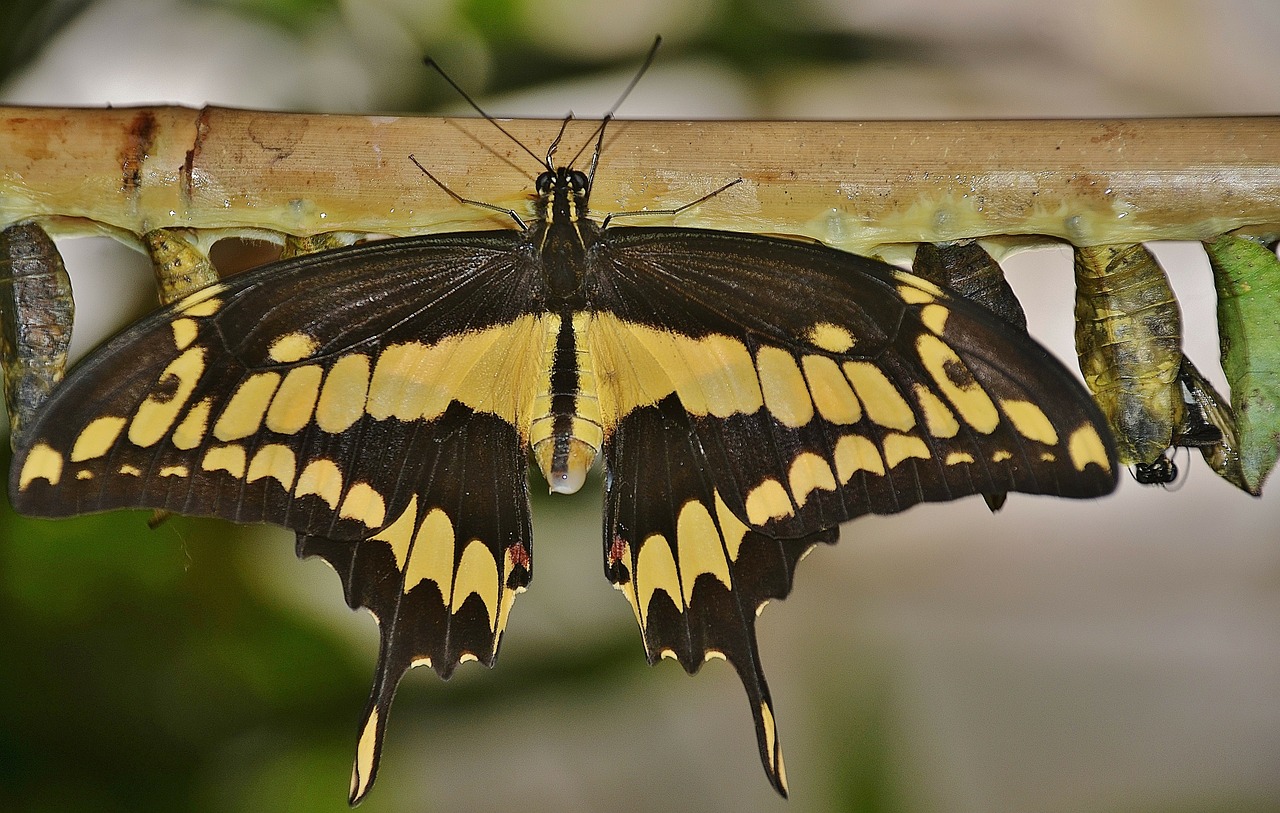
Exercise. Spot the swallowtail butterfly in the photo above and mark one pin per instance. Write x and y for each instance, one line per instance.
(747, 395)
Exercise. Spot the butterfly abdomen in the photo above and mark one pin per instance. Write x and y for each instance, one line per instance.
(566, 431)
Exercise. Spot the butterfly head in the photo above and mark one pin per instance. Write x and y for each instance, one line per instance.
(562, 195)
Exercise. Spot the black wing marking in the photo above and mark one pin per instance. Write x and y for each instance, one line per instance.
(313, 394)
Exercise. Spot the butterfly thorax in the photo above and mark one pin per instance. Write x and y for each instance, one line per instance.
(565, 430)
(562, 234)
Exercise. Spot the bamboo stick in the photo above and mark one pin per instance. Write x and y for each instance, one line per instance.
(855, 185)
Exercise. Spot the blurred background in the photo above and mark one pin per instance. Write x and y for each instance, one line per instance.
(1119, 655)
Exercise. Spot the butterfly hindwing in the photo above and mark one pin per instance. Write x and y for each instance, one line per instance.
(694, 573)
(441, 578)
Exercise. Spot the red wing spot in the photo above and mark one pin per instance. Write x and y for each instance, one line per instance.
(617, 549)
(519, 556)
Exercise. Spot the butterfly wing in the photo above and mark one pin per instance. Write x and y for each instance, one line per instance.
(348, 396)
(762, 391)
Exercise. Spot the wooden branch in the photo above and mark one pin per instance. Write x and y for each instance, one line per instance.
(856, 185)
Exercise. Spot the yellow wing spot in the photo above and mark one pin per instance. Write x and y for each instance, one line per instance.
(723, 370)
(959, 457)
(640, 365)
(713, 655)
(699, 547)
(189, 304)
(431, 557)
(1030, 421)
(169, 395)
(508, 595)
(342, 399)
(919, 283)
(493, 370)
(628, 588)
(478, 574)
(322, 478)
(770, 736)
(1048, 457)
(880, 398)
(84, 474)
(1086, 447)
(898, 448)
(190, 433)
(130, 471)
(856, 453)
(731, 528)
(832, 338)
(410, 380)
(399, 534)
(831, 392)
(97, 438)
(175, 471)
(767, 501)
(957, 383)
(207, 307)
(914, 296)
(274, 460)
(292, 347)
(365, 504)
(934, 317)
(295, 401)
(184, 332)
(42, 463)
(656, 570)
(242, 416)
(1001, 455)
(939, 420)
(366, 750)
(810, 472)
(230, 459)
(783, 387)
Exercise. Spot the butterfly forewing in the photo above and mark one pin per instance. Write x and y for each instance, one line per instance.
(832, 386)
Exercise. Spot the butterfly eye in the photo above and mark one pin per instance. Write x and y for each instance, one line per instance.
(544, 182)
(577, 182)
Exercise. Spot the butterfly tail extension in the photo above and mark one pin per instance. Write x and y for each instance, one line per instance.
(441, 577)
(695, 574)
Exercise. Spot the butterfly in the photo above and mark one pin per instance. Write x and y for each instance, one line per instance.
(747, 395)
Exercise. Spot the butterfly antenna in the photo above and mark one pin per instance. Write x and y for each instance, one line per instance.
(468, 201)
(435, 66)
(555, 143)
(604, 121)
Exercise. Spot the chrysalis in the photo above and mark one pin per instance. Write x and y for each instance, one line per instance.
(36, 311)
(1247, 276)
(1129, 340)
